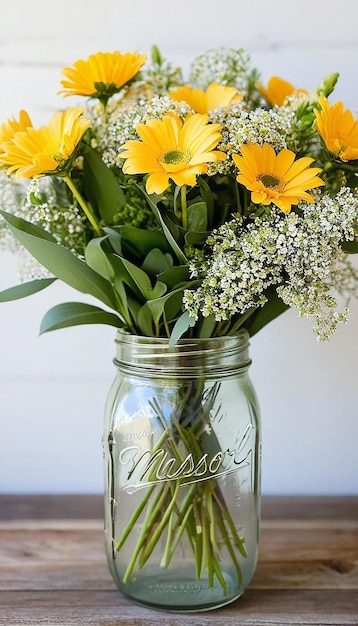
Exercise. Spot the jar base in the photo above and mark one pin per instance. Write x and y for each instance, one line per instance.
(181, 594)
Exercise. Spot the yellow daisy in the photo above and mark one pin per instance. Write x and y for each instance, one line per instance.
(276, 178)
(278, 90)
(37, 152)
(12, 126)
(172, 149)
(204, 101)
(338, 129)
(101, 75)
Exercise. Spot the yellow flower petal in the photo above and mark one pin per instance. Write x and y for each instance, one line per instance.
(157, 182)
(276, 178)
(278, 90)
(204, 101)
(12, 126)
(36, 152)
(101, 75)
(172, 149)
(338, 129)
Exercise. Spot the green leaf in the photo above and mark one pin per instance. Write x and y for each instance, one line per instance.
(25, 289)
(156, 262)
(174, 276)
(350, 247)
(135, 278)
(96, 256)
(138, 278)
(207, 326)
(181, 326)
(197, 217)
(75, 314)
(20, 224)
(158, 290)
(156, 306)
(265, 314)
(59, 261)
(102, 187)
(174, 305)
(151, 312)
(194, 238)
(171, 240)
(145, 321)
(138, 242)
(208, 198)
(115, 239)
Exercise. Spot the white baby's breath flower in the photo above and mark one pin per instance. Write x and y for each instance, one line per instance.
(225, 66)
(299, 253)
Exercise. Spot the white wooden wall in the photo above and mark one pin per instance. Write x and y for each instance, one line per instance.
(53, 388)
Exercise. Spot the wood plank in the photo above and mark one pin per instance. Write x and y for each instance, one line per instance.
(73, 506)
(94, 575)
(82, 540)
(47, 506)
(304, 541)
(53, 570)
(310, 507)
(51, 545)
(64, 576)
(109, 608)
(314, 574)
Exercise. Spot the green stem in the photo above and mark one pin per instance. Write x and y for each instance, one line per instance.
(156, 535)
(148, 524)
(170, 548)
(84, 206)
(184, 214)
(152, 520)
(206, 563)
(226, 515)
(230, 549)
(221, 578)
(169, 541)
(129, 527)
(104, 103)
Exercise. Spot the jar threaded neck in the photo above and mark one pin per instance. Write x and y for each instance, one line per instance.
(214, 356)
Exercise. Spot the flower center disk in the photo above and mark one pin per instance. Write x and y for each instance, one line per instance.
(174, 159)
(271, 182)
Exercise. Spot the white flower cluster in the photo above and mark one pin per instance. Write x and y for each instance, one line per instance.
(47, 205)
(40, 203)
(300, 253)
(160, 76)
(121, 121)
(239, 126)
(11, 197)
(261, 126)
(225, 66)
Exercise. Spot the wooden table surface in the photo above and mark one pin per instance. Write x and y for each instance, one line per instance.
(53, 569)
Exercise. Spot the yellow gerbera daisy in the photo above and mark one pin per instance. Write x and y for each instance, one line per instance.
(278, 90)
(101, 75)
(204, 101)
(37, 152)
(12, 126)
(338, 129)
(276, 178)
(171, 149)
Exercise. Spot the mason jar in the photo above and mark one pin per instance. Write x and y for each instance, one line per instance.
(182, 458)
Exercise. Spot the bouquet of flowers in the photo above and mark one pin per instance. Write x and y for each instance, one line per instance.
(187, 208)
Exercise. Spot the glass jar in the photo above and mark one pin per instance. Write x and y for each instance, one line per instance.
(182, 455)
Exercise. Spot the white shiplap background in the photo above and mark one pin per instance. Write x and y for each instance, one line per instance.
(53, 388)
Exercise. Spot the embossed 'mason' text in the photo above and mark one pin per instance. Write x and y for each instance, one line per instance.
(147, 467)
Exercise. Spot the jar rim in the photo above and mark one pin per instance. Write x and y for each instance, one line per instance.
(125, 336)
(212, 356)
